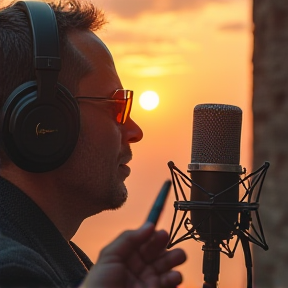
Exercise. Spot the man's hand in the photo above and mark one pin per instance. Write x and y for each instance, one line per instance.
(137, 259)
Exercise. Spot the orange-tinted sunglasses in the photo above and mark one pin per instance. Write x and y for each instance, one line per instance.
(123, 103)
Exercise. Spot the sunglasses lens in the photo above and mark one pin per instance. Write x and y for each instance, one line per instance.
(123, 104)
(120, 110)
(127, 109)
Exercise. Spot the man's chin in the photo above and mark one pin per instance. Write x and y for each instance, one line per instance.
(119, 199)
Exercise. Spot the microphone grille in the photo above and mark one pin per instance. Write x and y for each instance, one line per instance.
(216, 134)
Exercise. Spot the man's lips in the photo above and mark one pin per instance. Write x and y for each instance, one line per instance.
(126, 169)
(125, 159)
(123, 164)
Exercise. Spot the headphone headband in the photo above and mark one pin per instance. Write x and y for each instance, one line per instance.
(45, 34)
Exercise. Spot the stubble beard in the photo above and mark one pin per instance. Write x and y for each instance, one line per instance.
(98, 181)
(110, 195)
(118, 196)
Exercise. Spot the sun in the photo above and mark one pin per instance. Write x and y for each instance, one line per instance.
(149, 100)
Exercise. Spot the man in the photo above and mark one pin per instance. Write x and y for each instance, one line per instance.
(40, 212)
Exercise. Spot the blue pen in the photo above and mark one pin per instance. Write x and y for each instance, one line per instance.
(159, 203)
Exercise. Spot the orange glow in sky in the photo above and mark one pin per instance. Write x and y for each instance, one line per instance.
(189, 52)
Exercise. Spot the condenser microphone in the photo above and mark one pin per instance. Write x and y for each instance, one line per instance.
(215, 214)
(215, 170)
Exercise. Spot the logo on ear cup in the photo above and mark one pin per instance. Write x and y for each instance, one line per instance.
(44, 131)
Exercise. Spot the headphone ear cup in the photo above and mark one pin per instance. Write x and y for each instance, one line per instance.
(39, 134)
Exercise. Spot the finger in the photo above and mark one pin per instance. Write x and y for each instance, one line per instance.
(155, 259)
(155, 246)
(169, 260)
(127, 243)
(148, 253)
(171, 279)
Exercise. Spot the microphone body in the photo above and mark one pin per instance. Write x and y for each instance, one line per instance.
(214, 228)
(214, 170)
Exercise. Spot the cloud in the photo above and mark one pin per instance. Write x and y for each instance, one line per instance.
(149, 52)
(149, 55)
(157, 44)
(143, 65)
(133, 8)
(126, 8)
(233, 26)
(145, 37)
(194, 4)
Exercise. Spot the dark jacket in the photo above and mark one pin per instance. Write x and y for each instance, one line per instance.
(33, 253)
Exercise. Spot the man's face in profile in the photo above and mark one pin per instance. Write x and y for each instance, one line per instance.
(97, 169)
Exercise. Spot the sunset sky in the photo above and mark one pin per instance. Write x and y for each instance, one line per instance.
(189, 52)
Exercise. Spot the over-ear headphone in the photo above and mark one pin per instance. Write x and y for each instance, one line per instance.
(40, 120)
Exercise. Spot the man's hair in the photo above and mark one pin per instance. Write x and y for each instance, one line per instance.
(16, 46)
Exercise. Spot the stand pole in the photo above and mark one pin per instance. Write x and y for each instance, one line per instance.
(211, 264)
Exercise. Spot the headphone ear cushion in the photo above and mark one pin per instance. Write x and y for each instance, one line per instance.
(39, 134)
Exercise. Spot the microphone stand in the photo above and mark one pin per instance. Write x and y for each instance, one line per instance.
(245, 208)
(211, 264)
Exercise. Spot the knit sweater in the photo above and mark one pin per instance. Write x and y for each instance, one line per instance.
(33, 253)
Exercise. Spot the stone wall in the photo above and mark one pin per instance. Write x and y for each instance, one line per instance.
(270, 109)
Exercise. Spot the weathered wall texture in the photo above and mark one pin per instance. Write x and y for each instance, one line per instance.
(270, 108)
